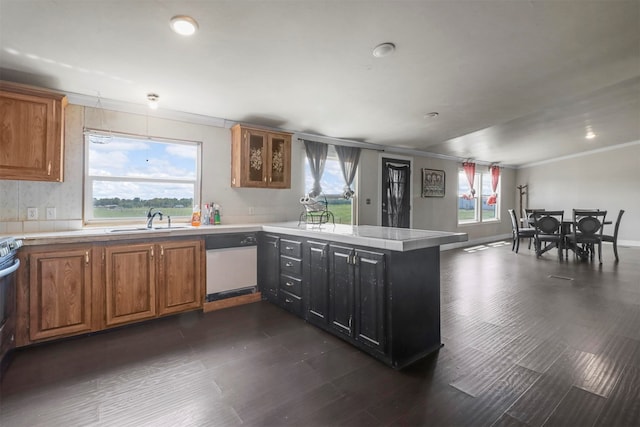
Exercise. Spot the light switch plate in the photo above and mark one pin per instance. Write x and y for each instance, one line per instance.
(51, 213)
(32, 214)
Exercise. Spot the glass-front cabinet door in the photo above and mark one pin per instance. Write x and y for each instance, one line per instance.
(260, 158)
(280, 161)
(256, 158)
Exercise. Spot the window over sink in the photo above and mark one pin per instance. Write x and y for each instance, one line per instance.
(125, 175)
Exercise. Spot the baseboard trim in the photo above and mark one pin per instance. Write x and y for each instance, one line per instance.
(231, 302)
(475, 242)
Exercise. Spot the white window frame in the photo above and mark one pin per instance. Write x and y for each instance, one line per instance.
(333, 156)
(478, 181)
(88, 218)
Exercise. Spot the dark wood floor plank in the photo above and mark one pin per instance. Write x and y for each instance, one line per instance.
(622, 408)
(577, 408)
(539, 401)
(497, 398)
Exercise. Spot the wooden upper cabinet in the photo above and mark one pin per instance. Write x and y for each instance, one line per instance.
(31, 133)
(260, 158)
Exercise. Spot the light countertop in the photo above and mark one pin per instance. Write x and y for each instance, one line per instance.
(396, 239)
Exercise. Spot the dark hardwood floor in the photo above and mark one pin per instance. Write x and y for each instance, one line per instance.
(528, 342)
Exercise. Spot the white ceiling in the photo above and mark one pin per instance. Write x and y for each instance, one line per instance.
(513, 81)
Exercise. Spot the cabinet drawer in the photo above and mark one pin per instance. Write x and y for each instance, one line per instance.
(291, 284)
(290, 265)
(291, 302)
(290, 248)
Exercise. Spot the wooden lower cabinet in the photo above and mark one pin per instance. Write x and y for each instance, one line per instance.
(357, 290)
(130, 283)
(74, 289)
(150, 279)
(384, 302)
(60, 293)
(179, 281)
(316, 279)
(269, 265)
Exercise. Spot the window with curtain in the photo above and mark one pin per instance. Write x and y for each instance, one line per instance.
(333, 184)
(484, 204)
(126, 175)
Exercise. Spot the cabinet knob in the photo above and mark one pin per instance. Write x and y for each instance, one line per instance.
(288, 264)
(288, 301)
(289, 284)
(289, 248)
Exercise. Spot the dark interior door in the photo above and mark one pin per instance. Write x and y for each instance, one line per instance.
(396, 192)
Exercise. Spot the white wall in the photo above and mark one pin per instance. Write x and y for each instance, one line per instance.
(432, 213)
(239, 205)
(605, 179)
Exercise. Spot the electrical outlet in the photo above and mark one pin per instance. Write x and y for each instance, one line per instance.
(51, 213)
(32, 214)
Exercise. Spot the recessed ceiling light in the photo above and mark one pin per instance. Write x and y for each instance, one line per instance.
(183, 25)
(431, 115)
(153, 100)
(590, 135)
(383, 49)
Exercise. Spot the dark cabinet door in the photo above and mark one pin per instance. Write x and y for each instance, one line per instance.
(317, 282)
(269, 265)
(370, 299)
(341, 288)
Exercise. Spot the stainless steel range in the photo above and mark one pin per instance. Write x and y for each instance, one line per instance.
(9, 264)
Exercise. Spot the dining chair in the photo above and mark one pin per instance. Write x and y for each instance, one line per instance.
(614, 238)
(528, 216)
(519, 233)
(587, 231)
(548, 231)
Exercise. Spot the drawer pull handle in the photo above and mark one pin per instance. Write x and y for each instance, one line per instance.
(288, 264)
(289, 284)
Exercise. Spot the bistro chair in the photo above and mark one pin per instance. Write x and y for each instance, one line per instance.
(548, 231)
(519, 233)
(614, 238)
(587, 232)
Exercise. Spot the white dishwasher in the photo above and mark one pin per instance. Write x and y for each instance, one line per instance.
(232, 265)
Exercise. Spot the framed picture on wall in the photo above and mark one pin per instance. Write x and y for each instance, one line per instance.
(432, 183)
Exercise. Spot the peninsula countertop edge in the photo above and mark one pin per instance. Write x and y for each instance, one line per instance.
(395, 239)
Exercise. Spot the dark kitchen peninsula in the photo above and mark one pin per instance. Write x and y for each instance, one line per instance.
(377, 288)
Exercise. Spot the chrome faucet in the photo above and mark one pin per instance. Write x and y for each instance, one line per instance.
(150, 217)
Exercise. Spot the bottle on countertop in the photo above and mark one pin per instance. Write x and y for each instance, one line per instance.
(206, 214)
(215, 217)
(195, 217)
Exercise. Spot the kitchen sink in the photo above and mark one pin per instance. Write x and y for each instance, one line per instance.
(130, 229)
